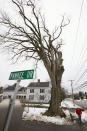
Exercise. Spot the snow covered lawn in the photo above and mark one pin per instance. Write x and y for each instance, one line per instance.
(36, 114)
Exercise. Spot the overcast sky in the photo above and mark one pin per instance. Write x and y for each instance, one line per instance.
(74, 36)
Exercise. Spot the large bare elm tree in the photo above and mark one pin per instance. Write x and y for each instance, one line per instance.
(32, 39)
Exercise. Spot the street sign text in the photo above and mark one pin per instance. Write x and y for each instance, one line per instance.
(26, 74)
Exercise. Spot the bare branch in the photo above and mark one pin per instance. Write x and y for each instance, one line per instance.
(61, 27)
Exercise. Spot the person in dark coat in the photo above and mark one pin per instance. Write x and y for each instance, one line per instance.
(79, 113)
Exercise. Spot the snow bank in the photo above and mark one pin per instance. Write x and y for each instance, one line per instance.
(36, 114)
(82, 103)
(69, 103)
(84, 116)
(46, 105)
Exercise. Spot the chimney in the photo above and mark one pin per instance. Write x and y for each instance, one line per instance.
(38, 80)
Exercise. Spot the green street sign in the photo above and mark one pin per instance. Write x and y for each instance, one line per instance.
(26, 74)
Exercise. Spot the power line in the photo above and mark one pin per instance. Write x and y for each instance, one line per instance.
(82, 59)
(79, 21)
(77, 30)
(74, 51)
(83, 51)
(81, 76)
(83, 65)
(81, 86)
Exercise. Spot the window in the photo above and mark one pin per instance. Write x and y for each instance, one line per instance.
(9, 96)
(42, 90)
(41, 97)
(31, 90)
(19, 97)
(31, 97)
(24, 90)
(24, 97)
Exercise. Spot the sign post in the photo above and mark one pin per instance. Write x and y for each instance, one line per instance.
(19, 75)
(10, 109)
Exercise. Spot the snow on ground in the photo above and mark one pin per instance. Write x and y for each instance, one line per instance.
(46, 105)
(84, 116)
(82, 103)
(33, 113)
(36, 114)
(69, 103)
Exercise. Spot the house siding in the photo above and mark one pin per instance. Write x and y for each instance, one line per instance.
(6, 94)
(10, 93)
(37, 94)
(41, 93)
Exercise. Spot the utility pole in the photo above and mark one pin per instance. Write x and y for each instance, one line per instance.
(72, 89)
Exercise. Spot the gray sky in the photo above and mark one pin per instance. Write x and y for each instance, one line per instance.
(74, 50)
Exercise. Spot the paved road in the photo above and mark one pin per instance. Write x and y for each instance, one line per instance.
(17, 124)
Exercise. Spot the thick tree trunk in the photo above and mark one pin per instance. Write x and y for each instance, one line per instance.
(55, 101)
(55, 71)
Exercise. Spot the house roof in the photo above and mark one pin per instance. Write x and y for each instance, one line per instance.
(12, 88)
(22, 88)
(39, 84)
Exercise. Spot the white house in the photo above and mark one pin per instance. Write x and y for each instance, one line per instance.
(22, 93)
(9, 92)
(39, 92)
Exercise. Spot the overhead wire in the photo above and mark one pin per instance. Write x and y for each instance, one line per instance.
(83, 52)
(81, 86)
(82, 60)
(77, 31)
(74, 47)
(82, 75)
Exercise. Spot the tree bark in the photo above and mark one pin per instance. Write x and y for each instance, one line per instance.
(55, 102)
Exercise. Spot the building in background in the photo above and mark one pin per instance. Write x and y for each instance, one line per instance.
(9, 92)
(22, 93)
(39, 92)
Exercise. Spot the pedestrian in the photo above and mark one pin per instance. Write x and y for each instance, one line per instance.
(79, 113)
